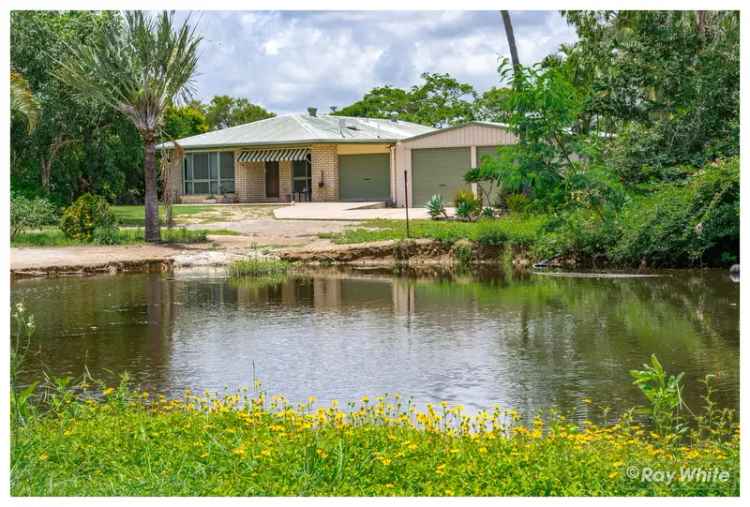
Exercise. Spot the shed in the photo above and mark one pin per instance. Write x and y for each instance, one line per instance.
(436, 162)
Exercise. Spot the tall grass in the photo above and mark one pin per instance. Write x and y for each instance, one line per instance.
(257, 266)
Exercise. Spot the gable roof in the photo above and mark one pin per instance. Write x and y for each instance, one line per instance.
(302, 129)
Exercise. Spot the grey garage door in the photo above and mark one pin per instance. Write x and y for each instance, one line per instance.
(491, 151)
(364, 177)
(438, 171)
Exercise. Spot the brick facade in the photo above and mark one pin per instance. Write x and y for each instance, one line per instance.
(325, 168)
(250, 178)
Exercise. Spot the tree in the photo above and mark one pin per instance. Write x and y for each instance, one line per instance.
(22, 100)
(224, 111)
(138, 71)
(511, 38)
(666, 82)
(493, 105)
(440, 101)
(184, 121)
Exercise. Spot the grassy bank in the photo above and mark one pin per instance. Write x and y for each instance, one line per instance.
(54, 237)
(521, 230)
(125, 443)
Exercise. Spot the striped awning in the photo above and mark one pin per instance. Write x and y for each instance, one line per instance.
(274, 155)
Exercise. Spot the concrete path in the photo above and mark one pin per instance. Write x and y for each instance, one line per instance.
(346, 211)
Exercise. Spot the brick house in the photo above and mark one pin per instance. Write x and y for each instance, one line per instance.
(310, 157)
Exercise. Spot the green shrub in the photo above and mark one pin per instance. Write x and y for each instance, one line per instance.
(582, 233)
(491, 233)
(86, 214)
(26, 214)
(468, 206)
(517, 203)
(436, 206)
(106, 235)
(685, 223)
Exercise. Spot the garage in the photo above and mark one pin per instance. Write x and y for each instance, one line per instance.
(438, 171)
(364, 177)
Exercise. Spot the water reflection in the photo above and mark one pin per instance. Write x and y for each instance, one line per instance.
(523, 341)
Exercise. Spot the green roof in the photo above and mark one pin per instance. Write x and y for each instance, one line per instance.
(305, 129)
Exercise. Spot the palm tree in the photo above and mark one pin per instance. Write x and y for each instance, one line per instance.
(511, 39)
(139, 70)
(22, 100)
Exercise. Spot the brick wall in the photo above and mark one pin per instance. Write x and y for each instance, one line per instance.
(325, 168)
(250, 181)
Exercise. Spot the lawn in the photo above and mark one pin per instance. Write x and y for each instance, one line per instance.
(194, 213)
(117, 442)
(522, 230)
(135, 215)
(52, 236)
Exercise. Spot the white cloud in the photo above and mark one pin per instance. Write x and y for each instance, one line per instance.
(286, 61)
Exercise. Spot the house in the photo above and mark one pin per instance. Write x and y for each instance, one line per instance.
(310, 157)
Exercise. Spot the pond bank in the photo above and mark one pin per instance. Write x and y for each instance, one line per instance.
(222, 250)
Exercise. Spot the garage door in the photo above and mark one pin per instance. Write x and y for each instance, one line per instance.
(364, 177)
(488, 151)
(438, 171)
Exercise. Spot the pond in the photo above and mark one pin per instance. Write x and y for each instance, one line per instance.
(524, 341)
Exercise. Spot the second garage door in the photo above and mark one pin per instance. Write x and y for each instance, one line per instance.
(438, 171)
(364, 177)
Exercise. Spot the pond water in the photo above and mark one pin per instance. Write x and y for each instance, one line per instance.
(523, 341)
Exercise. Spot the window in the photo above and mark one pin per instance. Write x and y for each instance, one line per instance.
(302, 175)
(209, 173)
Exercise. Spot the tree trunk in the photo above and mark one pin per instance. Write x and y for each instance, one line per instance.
(511, 39)
(153, 232)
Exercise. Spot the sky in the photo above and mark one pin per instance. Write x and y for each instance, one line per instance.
(288, 61)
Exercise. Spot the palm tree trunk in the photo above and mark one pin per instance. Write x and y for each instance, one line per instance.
(511, 39)
(153, 232)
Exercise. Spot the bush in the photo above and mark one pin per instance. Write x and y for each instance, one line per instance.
(468, 206)
(516, 203)
(685, 223)
(436, 206)
(26, 214)
(85, 215)
(106, 235)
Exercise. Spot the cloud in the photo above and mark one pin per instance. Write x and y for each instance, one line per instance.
(287, 60)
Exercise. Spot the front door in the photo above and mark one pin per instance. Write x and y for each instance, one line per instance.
(272, 179)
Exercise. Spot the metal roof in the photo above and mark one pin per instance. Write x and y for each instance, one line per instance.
(460, 126)
(305, 129)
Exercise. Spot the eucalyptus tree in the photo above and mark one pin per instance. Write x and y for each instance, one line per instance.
(139, 70)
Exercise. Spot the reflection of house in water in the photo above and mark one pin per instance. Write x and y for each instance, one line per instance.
(324, 294)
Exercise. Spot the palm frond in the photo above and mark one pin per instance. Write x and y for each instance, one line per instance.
(22, 100)
(137, 68)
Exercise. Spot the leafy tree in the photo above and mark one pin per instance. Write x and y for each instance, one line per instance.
(666, 82)
(138, 71)
(493, 105)
(224, 111)
(39, 40)
(184, 121)
(440, 101)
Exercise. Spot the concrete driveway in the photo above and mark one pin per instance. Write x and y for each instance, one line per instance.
(346, 211)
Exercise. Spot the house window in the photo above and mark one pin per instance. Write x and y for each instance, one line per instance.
(209, 173)
(302, 175)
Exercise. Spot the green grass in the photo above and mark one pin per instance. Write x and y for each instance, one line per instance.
(255, 266)
(131, 444)
(135, 215)
(520, 230)
(54, 237)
